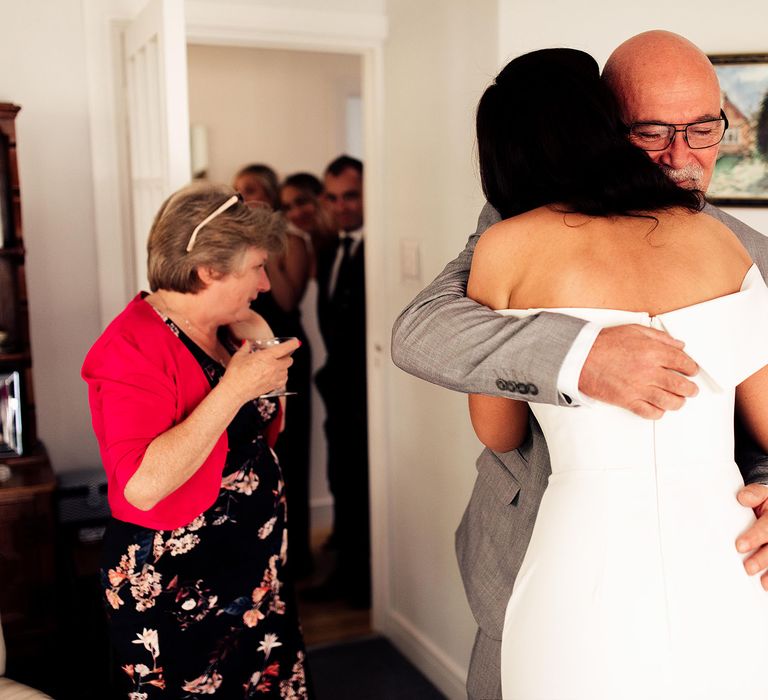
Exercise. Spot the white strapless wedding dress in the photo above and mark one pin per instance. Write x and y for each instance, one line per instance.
(631, 587)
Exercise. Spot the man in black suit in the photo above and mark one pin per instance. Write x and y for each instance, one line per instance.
(342, 380)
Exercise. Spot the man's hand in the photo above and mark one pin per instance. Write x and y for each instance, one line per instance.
(755, 539)
(639, 369)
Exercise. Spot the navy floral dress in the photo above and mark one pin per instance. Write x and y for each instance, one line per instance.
(204, 610)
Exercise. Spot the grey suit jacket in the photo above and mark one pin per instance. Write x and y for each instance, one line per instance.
(515, 358)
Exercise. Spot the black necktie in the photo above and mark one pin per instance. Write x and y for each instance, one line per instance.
(344, 266)
(346, 243)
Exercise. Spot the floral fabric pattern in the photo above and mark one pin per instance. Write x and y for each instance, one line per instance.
(204, 610)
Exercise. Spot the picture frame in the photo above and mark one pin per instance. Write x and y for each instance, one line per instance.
(10, 415)
(741, 171)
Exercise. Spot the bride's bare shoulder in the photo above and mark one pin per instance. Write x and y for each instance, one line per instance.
(705, 247)
(723, 235)
(504, 254)
(703, 235)
(521, 230)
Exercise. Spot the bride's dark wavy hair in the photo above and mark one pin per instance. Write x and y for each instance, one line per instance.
(549, 131)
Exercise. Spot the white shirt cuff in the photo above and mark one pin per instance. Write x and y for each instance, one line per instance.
(570, 371)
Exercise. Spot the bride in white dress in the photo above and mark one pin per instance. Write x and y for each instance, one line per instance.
(623, 594)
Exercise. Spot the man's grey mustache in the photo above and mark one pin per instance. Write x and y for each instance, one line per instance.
(693, 172)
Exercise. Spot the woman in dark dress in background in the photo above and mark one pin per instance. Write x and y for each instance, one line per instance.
(194, 562)
(288, 275)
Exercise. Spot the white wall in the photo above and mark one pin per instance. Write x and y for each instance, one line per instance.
(438, 59)
(283, 108)
(43, 58)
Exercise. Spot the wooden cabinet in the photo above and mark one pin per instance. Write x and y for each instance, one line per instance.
(27, 527)
(27, 531)
(17, 403)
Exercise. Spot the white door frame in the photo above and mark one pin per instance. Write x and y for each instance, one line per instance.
(155, 61)
(362, 34)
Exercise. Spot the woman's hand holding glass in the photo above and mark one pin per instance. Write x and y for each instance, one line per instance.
(262, 344)
(251, 374)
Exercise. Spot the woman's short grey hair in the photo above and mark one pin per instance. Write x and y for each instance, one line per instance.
(220, 244)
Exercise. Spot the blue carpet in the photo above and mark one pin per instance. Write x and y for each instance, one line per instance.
(367, 669)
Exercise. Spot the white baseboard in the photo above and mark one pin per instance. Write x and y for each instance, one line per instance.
(448, 676)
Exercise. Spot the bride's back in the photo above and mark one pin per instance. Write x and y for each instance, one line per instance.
(547, 258)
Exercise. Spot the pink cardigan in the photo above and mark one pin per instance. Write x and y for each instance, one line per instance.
(142, 381)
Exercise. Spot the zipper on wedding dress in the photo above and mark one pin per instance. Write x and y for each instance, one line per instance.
(659, 529)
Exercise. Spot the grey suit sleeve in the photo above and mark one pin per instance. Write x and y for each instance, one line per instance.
(752, 461)
(447, 339)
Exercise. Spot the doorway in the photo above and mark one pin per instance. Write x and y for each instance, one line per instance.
(294, 111)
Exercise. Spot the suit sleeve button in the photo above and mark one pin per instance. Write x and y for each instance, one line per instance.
(502, 385)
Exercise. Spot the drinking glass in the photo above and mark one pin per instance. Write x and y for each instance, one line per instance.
(262, 344)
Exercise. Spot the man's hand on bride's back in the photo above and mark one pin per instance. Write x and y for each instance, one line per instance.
(755, 539)
(640, 369)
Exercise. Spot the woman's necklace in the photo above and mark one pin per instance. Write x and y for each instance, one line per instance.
(200, 337)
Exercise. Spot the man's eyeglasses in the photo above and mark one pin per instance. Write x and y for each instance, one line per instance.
(651, 136)
(234, 199)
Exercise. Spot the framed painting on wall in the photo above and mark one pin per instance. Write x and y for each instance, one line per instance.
(741, 172)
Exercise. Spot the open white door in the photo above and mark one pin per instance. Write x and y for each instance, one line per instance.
(155, 51)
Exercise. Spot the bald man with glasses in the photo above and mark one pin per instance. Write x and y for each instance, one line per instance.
(670, 100)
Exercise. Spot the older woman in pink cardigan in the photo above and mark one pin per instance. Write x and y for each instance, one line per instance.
(194, 553)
